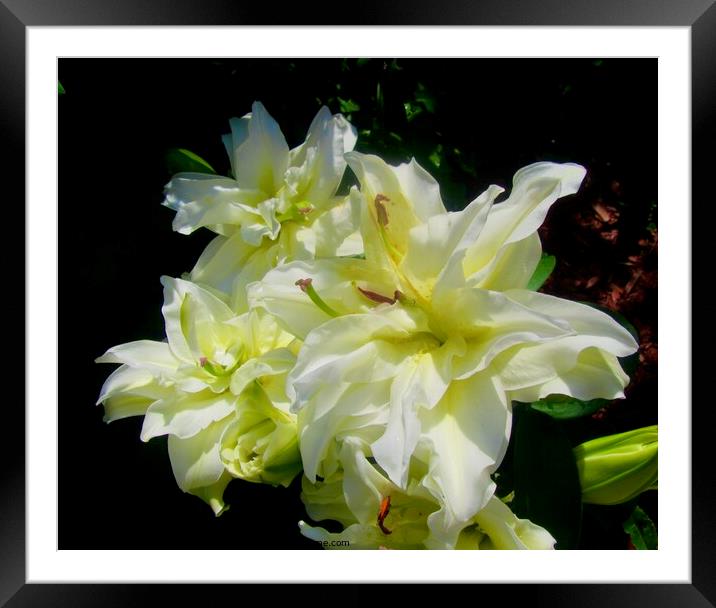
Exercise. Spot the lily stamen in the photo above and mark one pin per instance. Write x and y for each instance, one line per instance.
(383, 513)
(217, 370)
(306, 286)
(377, 297)
(382, 218)
(380, 209)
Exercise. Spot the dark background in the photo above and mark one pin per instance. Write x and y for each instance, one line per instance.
(469, 122)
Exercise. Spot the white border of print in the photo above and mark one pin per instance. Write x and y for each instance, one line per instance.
(670, 563)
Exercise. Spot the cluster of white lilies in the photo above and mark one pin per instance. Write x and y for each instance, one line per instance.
(373, 342)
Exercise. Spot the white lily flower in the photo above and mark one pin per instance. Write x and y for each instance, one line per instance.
(216, 388)
(279, 204)
(428, 340)
(377, 514)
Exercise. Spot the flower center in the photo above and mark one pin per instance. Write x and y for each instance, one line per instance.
(216, 369)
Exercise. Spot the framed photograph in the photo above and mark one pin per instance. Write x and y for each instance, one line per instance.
(126, 125)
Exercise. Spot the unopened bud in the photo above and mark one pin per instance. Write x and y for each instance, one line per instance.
(616, 468)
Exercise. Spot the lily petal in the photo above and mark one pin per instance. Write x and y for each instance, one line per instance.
(447, 236)
(205, 304)
(506, 531)
(238, 135)
(186, 415)
(200, 200)
(334, 409)
(333, 228)
(129, 391)
(261, 159)
(535, 188)
(421, 383)
(334, 280)
(197, 465)
(330, 136)
(275, 362)
(355, 348)
(490, 323)
(155, 357)
(221, 262)
(325, 500)
(585, 320)
(407, 196)
(468, 432)
(595, 374)
(512, 267)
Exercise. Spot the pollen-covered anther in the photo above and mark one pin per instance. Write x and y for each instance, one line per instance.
(383, 513)
(380, 209)
(377, 297)
(304, 284)
(305, 210)
(203, 361)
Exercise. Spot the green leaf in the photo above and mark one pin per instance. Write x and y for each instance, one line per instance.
(541, 274)
(180, 160)
(436, 157)
(347, 106)
(412, 111)
(546, 480)
(60, 88)
(425, 97)
(379, 97)
(641, 530)
(563, 407)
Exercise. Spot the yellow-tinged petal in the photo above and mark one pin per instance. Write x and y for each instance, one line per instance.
(129, 391)
(585, 320)
(206, 200)
(237, 136)
(535, 188)
(336, 410)
(205, 304)
(278, 361)
(335, 231)
(221, 263)
(469, 431)
(197, 465)
(396, 200)
(421, 382)
(336, 281)
(185, 415)
(328, 138)
(504, 530)
(261, 442)
(261, 159)
(447, 236)
(512, 267)
(155, 357)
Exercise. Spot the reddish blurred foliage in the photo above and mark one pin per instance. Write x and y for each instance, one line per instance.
(606, 249)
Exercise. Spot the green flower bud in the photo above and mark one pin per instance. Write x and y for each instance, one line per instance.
(616, 468)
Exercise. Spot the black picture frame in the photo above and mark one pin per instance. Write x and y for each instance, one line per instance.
(17, 15)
